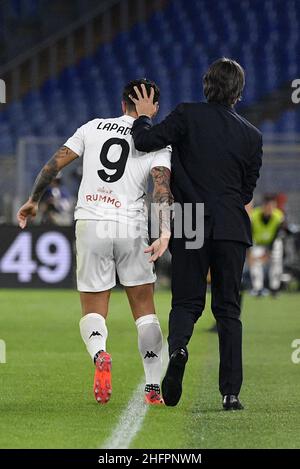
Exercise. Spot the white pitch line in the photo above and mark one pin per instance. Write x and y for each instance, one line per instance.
(132, 418)
(130, 422)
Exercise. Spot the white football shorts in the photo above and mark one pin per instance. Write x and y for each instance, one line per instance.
(106, 247)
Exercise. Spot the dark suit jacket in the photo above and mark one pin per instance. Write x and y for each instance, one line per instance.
(217, 155)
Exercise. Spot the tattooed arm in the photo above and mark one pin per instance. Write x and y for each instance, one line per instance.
(59, 160)
(163, 198)
(163, 202)
(161, 180)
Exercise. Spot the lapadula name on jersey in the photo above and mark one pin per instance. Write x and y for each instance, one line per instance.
(113, 126)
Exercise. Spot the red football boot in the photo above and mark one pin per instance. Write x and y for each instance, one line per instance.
(102, 380)
(153, 395)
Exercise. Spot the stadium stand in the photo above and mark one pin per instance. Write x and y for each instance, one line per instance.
(23, 23)
(173, 47)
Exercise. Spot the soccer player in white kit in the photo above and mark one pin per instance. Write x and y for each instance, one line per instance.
(112, 233)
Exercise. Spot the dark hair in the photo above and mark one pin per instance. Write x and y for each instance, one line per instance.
(129, 89)
(269, 198)
(224, 81)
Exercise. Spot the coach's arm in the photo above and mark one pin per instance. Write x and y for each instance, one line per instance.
(148, 137)
(48, 173)
(252, 172)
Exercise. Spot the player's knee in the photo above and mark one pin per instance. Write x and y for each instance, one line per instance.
(141, 298)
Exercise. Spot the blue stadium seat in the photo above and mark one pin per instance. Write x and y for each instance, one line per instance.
(174, 47)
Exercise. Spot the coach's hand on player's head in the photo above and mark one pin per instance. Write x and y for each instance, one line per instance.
(27, 211)
(143, 103)
(158, 247)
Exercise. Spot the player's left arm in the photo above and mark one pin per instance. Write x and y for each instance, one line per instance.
(163, 200)
(63, 157)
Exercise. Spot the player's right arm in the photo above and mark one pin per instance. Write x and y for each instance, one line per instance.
(59, 160)
(163, 200)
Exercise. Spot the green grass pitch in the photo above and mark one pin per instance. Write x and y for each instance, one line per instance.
(46, 394)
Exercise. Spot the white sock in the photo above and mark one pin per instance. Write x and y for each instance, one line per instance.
(276, 265)
(257, 275)
(150, 346)
(93, 332)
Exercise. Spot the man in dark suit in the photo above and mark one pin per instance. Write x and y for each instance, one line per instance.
(217, 155)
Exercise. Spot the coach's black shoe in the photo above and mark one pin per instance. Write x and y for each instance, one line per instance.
(172, 382)
(231, 402)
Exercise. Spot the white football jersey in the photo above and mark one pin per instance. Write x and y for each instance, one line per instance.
(115, 175)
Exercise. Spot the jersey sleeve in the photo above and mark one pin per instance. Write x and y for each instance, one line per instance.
(162, 158)
(76, 142)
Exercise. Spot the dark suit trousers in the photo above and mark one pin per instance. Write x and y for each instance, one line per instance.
(189, 280)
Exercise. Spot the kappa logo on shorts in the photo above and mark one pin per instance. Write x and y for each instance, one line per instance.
(150, 355)
(94, 333)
